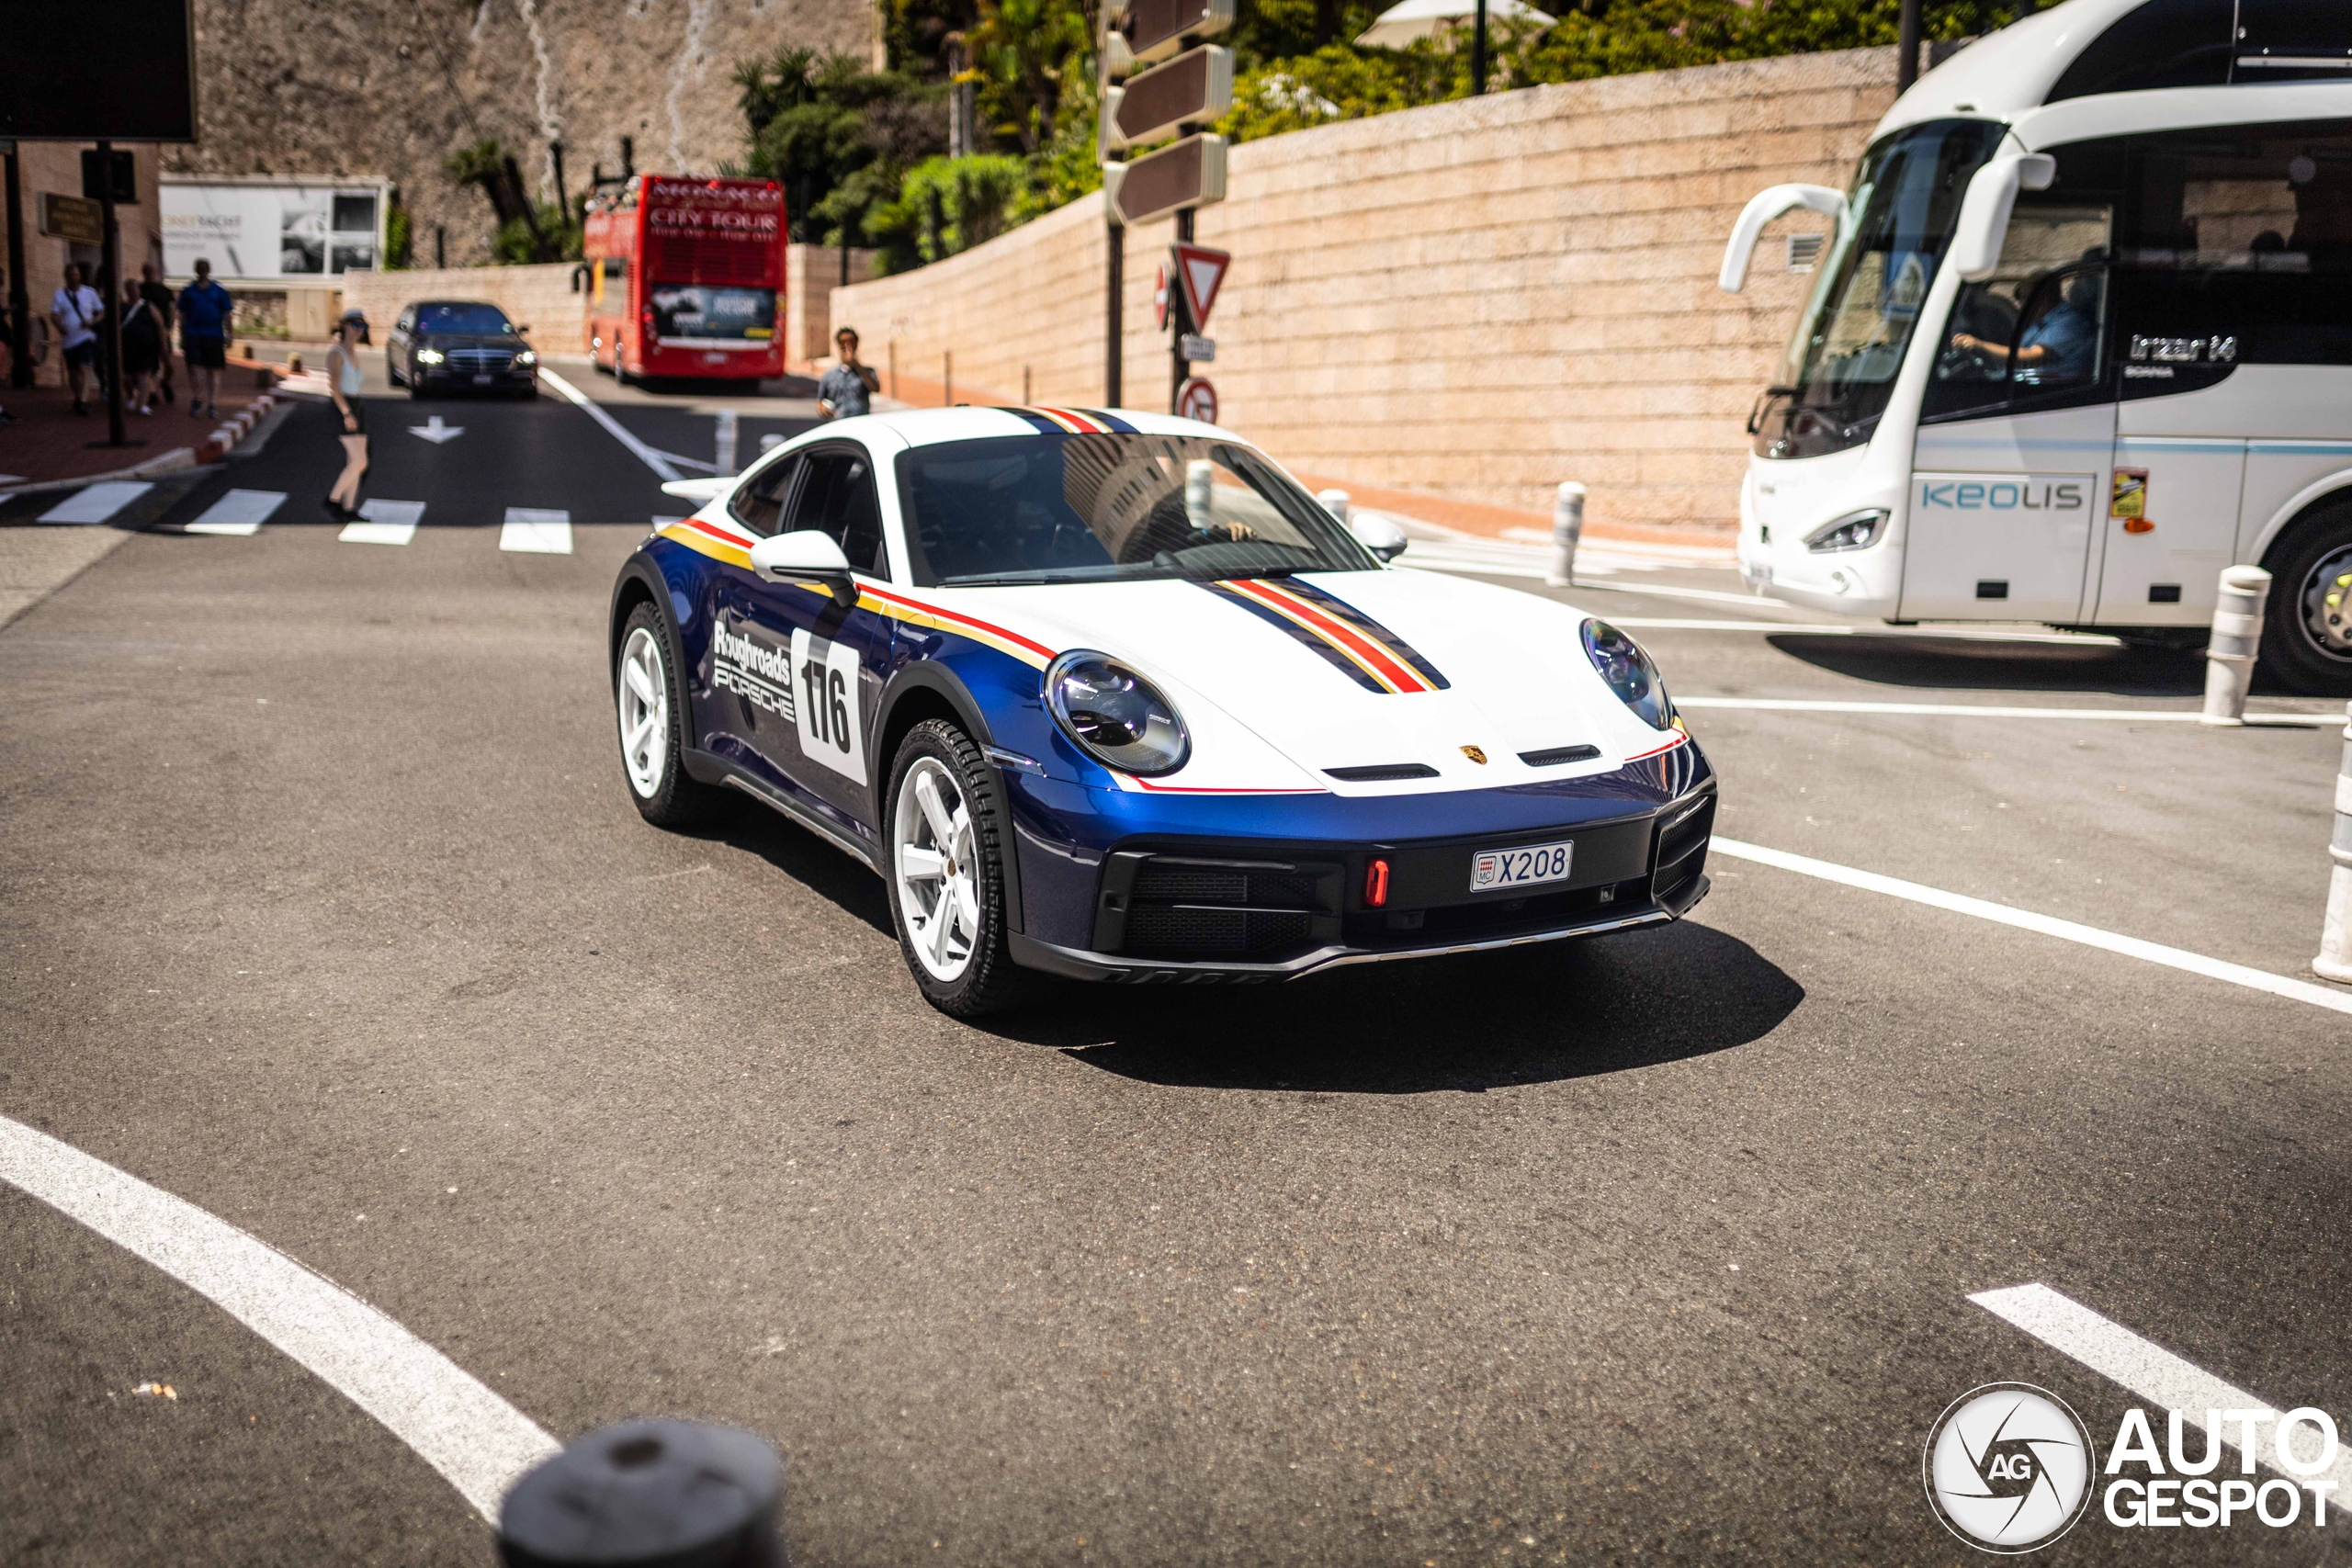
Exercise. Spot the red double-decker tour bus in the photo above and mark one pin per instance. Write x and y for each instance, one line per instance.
(686, 279)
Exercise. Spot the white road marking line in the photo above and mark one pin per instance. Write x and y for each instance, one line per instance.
(384, 523)
(477, 1440)
(98, 504)
(536, 531)
(1964, 634)
(2047, 925)
(1962, 710)
(2155, 1374)
(658, 461)
(239, 513)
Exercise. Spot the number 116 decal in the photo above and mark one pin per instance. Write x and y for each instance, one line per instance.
(824, 679)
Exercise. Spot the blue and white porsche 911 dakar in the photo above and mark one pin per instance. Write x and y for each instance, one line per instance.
(1109, 696)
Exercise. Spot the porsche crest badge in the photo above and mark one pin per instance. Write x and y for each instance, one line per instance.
(1475, 754)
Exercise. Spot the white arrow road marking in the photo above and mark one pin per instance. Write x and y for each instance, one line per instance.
(1959, 710)
(2025, 919)
(239, 512)
(536, 531)
(477, 1440)
(98, 504)
(432, 429)
(383, 523)
(2159, 1376)
(659, 462)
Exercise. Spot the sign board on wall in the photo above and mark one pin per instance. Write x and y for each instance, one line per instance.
(71, 219)
(290, 231)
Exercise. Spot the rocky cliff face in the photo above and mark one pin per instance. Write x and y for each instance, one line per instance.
(392, 87)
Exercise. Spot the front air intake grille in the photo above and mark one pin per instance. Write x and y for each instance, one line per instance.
(1682, 845)
(1200, 909)
(1559, 754)
(1383, 773)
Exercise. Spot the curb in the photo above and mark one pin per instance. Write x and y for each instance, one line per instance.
(223, 441)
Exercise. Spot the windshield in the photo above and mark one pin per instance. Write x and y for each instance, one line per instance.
(1839, 369)
(477, 321)
(1110, 507)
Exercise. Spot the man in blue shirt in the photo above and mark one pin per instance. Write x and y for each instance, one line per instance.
(205, 311)
(846, 391)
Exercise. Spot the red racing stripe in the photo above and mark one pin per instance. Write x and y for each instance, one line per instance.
(929, 609)
(1384, 663)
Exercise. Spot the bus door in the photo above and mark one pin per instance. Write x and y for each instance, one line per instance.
(2017, 431)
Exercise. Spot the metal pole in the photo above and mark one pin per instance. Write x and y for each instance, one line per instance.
(21, 308)
(1479, 49)
(1114, 298)
(1906, 45)
(2237, 636)
(111, 327)
(2335, 960)
(1179, 317)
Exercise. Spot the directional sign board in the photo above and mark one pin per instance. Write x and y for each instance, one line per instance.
(1191, 173)
(1157, 28)
(1201, 271)
(1193, 88)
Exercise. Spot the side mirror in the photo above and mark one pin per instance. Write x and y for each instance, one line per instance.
(1761, 209)
(698, 490)
(1984, 223)
(807, 556)
(1378, 535)
(523, 328)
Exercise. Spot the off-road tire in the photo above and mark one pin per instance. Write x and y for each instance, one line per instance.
(678, 799)
(991, 981)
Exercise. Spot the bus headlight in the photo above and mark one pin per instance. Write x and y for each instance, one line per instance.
(1856, 531)
(1628, 671)
(1115, 714)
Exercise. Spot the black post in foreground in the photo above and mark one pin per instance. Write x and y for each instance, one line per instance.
(20, 305)
(1906, 32)
(1115, 295)
(1479, 49)
(110, 324)
(672, 1492)
(1180, 320)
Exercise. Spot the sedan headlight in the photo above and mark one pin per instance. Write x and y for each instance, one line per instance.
(527, 357)
(1629, 674)
(1115, 714)
(1858, 531)
(428, 356)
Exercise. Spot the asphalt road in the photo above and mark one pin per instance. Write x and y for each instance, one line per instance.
(324, 910)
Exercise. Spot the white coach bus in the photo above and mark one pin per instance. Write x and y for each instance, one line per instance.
(2082, 337)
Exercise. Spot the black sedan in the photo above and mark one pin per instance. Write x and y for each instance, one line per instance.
(445, 344)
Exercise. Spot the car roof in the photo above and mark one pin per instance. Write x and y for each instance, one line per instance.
(925, 427)
(467, 304)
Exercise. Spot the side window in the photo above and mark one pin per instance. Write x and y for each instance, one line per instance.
(758, 503)
(2061, 332)
(840, 499)
(2001, 340)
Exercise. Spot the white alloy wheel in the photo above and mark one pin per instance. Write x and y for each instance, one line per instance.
(643, 699)
(933, 853)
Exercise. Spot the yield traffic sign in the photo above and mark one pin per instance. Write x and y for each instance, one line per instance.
(1200, 271)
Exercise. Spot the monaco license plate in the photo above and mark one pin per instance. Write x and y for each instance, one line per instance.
(1520, 868)
(484, 380)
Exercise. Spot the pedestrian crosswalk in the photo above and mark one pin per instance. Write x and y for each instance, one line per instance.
(239, 513)
(97, 504)
(537, 531)
(384, 523)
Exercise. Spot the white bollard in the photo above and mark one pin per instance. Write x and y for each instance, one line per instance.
(725, 456)
(2237, 636)
(1567, 527)
(2335, 960)
(1199, 494)
(1335, 501)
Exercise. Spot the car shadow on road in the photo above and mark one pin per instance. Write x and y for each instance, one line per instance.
(1951, 663)
(744, 824)
(1540, 1014)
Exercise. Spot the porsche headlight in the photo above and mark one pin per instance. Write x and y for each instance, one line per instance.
(1115, 714)
(428, 356)
(1629, 674)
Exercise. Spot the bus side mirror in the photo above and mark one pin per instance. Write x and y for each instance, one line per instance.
(1984, 213)
(1762, 208)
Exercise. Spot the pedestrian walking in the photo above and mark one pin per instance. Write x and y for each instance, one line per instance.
(344, 382)
(76, 309)
(142, 350)
(845, 391)
(158, 295)
(205, 308)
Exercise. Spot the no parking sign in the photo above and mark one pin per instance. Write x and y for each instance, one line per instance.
(1196, 399)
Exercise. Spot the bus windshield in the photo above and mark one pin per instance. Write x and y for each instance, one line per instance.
(1834, 381)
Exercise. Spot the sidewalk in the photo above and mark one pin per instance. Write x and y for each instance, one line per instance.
(49, 443)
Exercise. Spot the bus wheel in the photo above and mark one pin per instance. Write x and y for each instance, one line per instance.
(2307, 627)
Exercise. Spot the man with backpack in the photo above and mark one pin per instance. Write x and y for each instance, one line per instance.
(76, 310)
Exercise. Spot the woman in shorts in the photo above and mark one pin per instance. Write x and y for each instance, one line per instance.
(344, 382)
